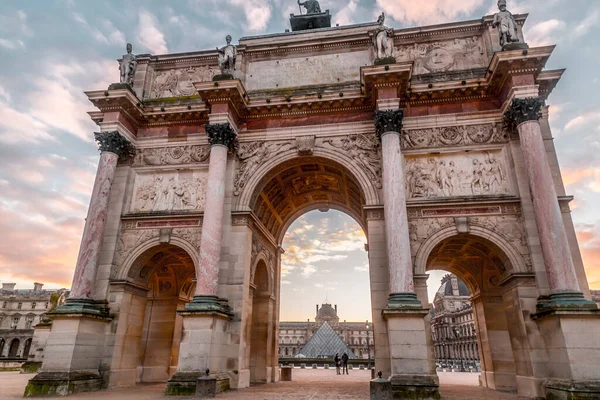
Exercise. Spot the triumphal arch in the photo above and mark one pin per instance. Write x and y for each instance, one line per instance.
(434, 139)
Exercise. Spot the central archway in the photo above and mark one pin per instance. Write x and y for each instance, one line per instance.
(279, 195)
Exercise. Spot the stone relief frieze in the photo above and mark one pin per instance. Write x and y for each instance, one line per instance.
(251, 156)
(169, 191)
(456, 174)
(451, 55)
(129, 239)
(180, 82)
(174, 155)
(452, 136)
(364, 150)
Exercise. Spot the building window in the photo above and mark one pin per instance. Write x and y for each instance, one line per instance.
(33, 305)
(4, 304)
(15, 322)
(19, 306)
(46, 306)
(29, 321)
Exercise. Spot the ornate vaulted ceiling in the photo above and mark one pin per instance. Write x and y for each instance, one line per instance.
(479, 262)
(299, 186)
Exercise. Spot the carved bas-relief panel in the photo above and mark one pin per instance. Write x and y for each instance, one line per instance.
(449, 136)
(452, 55)
(175, 155)
(169, 191)
(304, 71)
(457, 174)
(180, 82)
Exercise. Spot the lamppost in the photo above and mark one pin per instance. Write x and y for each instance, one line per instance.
(368, 347)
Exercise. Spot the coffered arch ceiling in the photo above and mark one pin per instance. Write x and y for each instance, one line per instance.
(301, 185)
(479, 262)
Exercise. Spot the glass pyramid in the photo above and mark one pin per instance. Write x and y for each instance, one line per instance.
(324, 344)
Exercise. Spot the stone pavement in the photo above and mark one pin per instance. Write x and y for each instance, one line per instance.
(308, 384)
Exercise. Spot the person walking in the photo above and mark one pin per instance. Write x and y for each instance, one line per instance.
(338, 363)
(345, 363)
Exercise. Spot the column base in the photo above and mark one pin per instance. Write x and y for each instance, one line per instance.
(557, 389)
(197, 383)
(563, 301)
(62, 384)
(412, 360)
(404, 300)
(211, 304)
(421, 387)
(204, 346)
(73, 353)
(83, 306)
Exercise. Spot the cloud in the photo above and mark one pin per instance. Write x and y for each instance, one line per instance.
(113, 35)
(12, 44)
(19, 127)
(149, 34)
(346, 15)
(362, 268)
(428, 11)
(586, 24)
(583, 119)
(258, 13)
(541, 34)
(588, 236)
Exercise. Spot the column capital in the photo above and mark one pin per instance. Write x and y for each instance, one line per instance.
(388, 121)
(523, 110)
(222, 134)
(114, 142)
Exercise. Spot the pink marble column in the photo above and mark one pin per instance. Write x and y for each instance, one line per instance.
(221, 137)
(111, 144)
(212, 224)
(388, 125)
(555, 247)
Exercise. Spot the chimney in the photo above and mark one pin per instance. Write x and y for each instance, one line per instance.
(335, 308)
(8, 286)
(37, 287)
(317, 308)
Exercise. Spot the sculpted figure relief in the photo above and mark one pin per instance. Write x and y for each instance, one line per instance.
(227, 56)
(180, 82)
(449, 55)
(455, 176)
(312, 6)
(127, 66)
(365, 150)
(251, 156)
(507, 27)
(169, 192)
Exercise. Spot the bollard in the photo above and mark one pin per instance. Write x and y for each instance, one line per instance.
(314, 366)
(286, 374)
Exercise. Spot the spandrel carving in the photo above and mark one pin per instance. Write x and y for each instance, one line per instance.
(364, 150)
(253, 155)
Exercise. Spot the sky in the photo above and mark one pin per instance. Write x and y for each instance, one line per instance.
(53, 50)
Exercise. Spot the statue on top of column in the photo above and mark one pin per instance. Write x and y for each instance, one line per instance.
(227, 56)
(127, 66)
(383, 40)
(507, 27)
(312, 6)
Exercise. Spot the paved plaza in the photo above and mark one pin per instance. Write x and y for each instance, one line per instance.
(307, 385)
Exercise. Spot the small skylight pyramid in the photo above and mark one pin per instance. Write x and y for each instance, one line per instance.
(324, 344)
